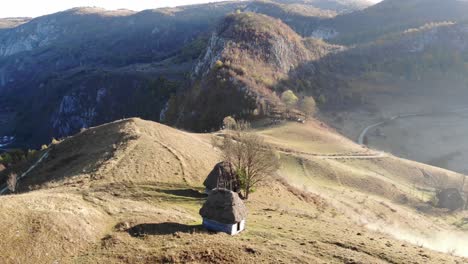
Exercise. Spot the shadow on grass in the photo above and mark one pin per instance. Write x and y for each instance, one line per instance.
(190, 193)
(163, 229)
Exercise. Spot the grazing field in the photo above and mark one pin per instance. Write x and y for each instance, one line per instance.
(130, 191)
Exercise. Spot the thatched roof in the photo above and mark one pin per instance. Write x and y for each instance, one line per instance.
(222, 176)
(224, 206)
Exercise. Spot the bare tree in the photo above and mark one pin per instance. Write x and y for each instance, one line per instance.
(12, 182)
(253, 160)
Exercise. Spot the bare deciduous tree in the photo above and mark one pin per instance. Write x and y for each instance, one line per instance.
(253, 160)
(12, 182)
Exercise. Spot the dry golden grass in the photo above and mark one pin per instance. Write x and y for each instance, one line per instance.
(313, 137)
(130, 191)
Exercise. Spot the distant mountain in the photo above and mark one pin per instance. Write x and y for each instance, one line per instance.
(306, 17)
(339, 6)
(391, 16)
(6, 23)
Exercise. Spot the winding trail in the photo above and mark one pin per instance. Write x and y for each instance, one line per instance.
(363, 155)
(401, 116)
(4, 187)
(337, 156)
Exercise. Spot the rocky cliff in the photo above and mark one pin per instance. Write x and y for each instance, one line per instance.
(247, 58)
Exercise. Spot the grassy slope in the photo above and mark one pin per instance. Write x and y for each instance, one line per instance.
(147, 176)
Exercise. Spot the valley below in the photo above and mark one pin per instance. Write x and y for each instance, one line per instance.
(438, 140)
(422, 125)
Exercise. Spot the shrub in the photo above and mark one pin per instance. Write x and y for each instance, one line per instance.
(308, 105)
(12, 182)
(322, 99)
(31, 154)
(219, 64)
(6, 158)
(229, 122)
(289, 98)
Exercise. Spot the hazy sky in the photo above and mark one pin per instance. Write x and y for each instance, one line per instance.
(34, 8)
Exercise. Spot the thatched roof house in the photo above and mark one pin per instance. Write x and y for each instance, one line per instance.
(223, 175)
(224, 211)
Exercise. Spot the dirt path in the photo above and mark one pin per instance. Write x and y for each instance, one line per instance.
(363, 155)
(177, 156)
(401, 116)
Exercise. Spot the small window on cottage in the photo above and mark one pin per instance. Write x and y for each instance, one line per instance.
(238, 226)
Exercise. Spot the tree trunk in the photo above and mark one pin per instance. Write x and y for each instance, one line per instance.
(247, 191)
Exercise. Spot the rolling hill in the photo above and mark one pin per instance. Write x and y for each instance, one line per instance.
(138, 175)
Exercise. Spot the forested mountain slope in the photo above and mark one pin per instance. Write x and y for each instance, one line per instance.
(86, 66)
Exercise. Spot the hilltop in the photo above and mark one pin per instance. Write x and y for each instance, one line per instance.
(99, 189)
(247, 57)
(12, 22)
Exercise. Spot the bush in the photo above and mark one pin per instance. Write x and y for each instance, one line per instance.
(6, 158)
(12, 182)
(308, 105)
(322, 99)
(31, 154)
(219, 64)
(289, 98)
(229, 122)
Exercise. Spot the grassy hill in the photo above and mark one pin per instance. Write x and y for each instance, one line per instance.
(130, 191)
